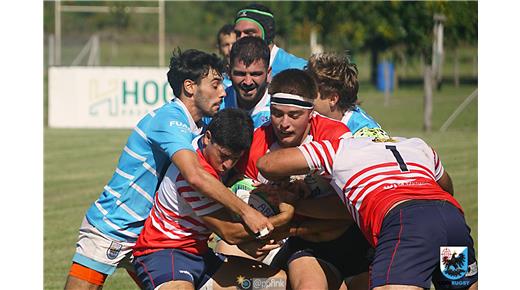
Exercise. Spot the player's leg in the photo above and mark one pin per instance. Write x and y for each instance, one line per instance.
(398, 287)
(227, 249)
(97, 256)
(81, 277)
(241, 273)
(176, 285)
(307, 272)
(358, 282)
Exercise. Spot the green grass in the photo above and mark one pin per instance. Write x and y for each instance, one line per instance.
(78, 163)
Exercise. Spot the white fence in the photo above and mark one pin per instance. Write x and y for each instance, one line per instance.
(105, 97)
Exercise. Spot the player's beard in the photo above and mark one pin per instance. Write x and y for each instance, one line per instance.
(249, 103)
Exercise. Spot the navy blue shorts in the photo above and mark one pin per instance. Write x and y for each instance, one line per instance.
(350, 253)
(412, 243)
(172, 264)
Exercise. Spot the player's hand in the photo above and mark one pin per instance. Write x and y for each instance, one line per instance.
(256, 222)
(287, 211)
(258, 248)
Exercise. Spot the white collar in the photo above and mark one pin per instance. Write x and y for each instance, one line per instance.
(261, 105)
(274, 51)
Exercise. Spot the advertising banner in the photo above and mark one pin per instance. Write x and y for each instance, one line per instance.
(105, 97)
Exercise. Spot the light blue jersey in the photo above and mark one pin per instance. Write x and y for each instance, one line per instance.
(226, 81)
(282, 60)
(128, 197)
(357, 119)
(260, 114)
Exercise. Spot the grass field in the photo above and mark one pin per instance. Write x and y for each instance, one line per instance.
(78, 163)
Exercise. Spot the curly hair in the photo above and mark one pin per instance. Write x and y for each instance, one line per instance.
(335, 73)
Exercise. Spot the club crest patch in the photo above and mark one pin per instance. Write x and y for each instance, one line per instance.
(454, 262)
(113, 250)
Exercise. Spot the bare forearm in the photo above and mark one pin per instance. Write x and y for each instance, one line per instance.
(329, 207)
(321, 229)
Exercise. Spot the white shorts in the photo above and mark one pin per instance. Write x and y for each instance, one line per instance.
(100, 252)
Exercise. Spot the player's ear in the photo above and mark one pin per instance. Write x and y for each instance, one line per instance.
(333, 99)
(207, 138)
(189, 87)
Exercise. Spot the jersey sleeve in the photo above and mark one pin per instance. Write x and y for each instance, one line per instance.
(170, 131)
(320, 155)
(438, 168)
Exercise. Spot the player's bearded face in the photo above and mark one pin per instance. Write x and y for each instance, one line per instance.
(290, 124)
(250, 82)
(209, 93)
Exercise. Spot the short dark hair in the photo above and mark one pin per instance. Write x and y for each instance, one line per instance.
(335, 73)
(191, 64)
(296, 82)
(232, 129)
(250, 49)
(225, 30)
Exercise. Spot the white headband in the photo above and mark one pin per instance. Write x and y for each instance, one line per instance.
(291, 100)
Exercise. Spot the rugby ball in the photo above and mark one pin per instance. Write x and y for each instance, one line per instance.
(258, 200)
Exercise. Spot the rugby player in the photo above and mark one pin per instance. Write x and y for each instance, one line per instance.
(226, 36)
(172, 251)
(399, 194)
(250, 76)
(258, 20)
(338, 84)
(113, 222)
(293, 122)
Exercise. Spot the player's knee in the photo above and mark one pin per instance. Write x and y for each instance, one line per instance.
(280, 275)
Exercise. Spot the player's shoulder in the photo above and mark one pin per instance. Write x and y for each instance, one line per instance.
(323, 127)
(286, 57)
(171, 111)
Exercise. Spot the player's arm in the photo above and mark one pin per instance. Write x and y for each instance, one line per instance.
(446, 183)
(234, 232)
(328, 207)
(281, 163)
(315, 230)
(203, 182)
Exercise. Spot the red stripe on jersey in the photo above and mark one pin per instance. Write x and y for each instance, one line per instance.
(328, 153)
(436, 158)
(160, 219)
(347, 184)
(428, 171)
(367, 184)
(177, 216)
(179, 178)
(184, 189)
(318, 154)
(310, 155)
(204, 206)
(191, 198)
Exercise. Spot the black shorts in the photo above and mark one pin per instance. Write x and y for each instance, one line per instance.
(421, 242)
(350, 254)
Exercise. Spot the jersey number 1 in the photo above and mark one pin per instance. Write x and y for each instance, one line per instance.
(398, 157)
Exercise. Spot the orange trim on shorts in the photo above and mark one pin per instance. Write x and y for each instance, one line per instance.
(87, 274)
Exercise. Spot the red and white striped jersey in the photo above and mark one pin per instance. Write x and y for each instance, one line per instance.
(174, 220)
(264, 140)
(371, 177)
